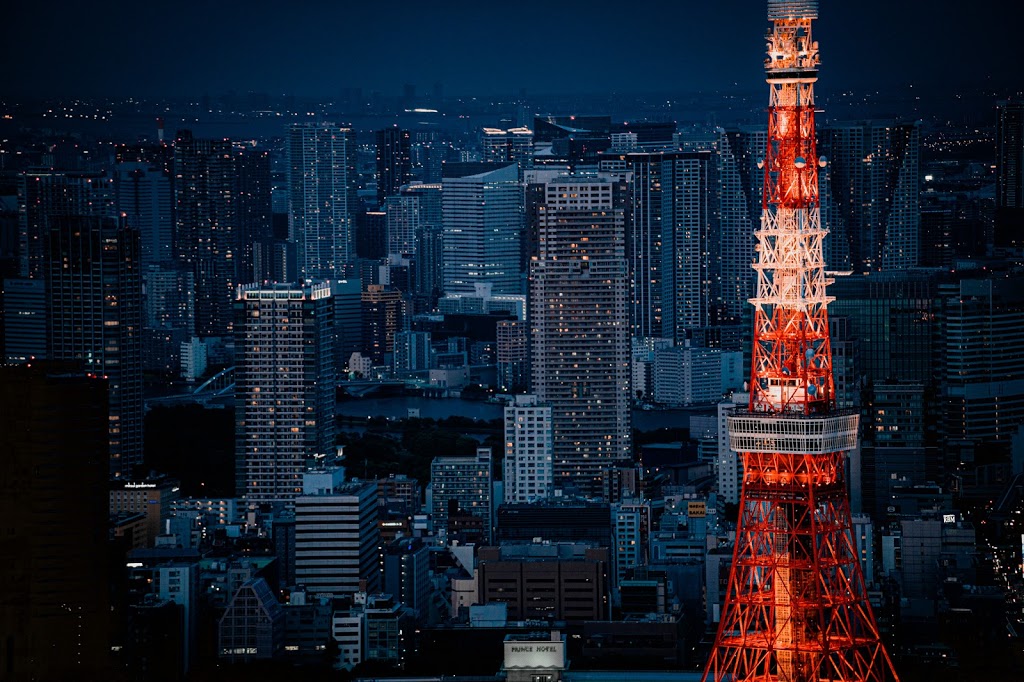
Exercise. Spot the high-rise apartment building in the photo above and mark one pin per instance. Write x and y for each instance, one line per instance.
(483, 225)
(322, 198)
(394, 162)
(580, 330)
(206, 228)
(874, 181)
(94, 317)
(687, 267)
(284, 386)
(529, 443)
(46, 195)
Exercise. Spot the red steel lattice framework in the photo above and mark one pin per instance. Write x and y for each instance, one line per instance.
(796, 607)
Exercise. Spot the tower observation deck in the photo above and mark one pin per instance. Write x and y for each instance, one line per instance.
(796, 606)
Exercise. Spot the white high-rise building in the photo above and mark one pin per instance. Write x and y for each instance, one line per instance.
(322, 198)
(284, 386)
(581, 334)
(528, 473)
(729, 467)
(483, 230)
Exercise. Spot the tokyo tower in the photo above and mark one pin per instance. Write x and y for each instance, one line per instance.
(796, 607)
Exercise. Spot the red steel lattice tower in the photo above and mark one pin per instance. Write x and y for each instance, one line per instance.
(796, 607)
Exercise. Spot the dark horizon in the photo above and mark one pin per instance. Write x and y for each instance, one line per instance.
(136, 49)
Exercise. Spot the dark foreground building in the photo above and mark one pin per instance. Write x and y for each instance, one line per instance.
(54, 612)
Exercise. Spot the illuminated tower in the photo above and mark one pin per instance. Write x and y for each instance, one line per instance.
(796, 607)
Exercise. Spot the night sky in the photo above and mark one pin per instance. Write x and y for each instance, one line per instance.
(134, 47)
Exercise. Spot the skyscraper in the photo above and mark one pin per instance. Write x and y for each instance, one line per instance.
(683, 221)
(322, 202)
(483, 226)
(206, 227)
(874, 176)
(394, 162)
(94, 317)
(45, 195)
(1010, 173)
(284, 386)
(143, 196)
(580, 330)
(254, 211)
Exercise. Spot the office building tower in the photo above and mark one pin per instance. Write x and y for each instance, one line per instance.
(783, 617)
(407, 574)
(580, 331)
(55, 615)
(284, 387)
(466, 481)
(206, 228)
(24, 319)
(403, 224)
(144, 197)
(483, 225)
(348, 320)
(384, 314)
(514, 145)
(893, 317)
(513, 355)
(874, 177)
(529, 442)
(254, 215)
(1010, 173)
(46, 195)
(394, 161)
(631, 529)
(371, 235)
(337, 542)
(427, 245)
(322, 202)
(94, 317)
(169, 316)
(982, 343)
